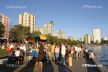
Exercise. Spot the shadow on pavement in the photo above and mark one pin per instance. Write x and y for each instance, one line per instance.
(5, 68)
(29, 67)
(48, 67)
(63, 68)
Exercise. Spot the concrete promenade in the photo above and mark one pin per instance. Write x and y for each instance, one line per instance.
(51, 67)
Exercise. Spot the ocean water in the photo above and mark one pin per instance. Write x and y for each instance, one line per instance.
(101, 54)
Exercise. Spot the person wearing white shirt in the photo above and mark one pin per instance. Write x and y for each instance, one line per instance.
(76, 50)
(63, 52)
(23, 47)
(17, 55)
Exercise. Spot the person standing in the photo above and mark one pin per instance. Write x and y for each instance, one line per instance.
(79, 52)
(10, 48)
(70, 53)
(82, 52)
(76, 51)
(57, 51)
(41, 54)
(63, 52)
(48, 53)
(23, 49)
(36, 55)
(52, 51)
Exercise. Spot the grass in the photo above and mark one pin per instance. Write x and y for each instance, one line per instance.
(3, 53)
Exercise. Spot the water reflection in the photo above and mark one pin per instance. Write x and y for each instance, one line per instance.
(101, 53)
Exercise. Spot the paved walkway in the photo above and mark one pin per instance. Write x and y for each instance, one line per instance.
(50, 67)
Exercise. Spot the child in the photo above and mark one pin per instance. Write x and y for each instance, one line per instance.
(17, 55)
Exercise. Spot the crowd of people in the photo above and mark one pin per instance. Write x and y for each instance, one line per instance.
(43, 52)
(15, 51)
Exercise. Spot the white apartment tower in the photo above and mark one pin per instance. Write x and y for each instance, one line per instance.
(29, 20)
(61, 34)
(96, 36)
(48, 28)
(87, 39)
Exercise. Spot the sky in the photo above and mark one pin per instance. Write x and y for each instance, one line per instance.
(75, 17)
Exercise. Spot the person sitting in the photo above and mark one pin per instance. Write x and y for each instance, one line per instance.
(17, 55)
(11, 59)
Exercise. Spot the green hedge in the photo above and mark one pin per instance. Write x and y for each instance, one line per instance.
(2, 53)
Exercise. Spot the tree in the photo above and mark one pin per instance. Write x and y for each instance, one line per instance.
(36, 32)
(19, 32)
(49, 39)
(2, 29)
(97, 42)
(104, 42)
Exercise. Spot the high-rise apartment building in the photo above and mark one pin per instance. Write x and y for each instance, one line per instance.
(61, 34)
(48, 27)
(5, 21)
(28, 20)
(96, 36)
(87, 39)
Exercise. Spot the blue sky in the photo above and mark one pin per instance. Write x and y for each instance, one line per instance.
(75, 17)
